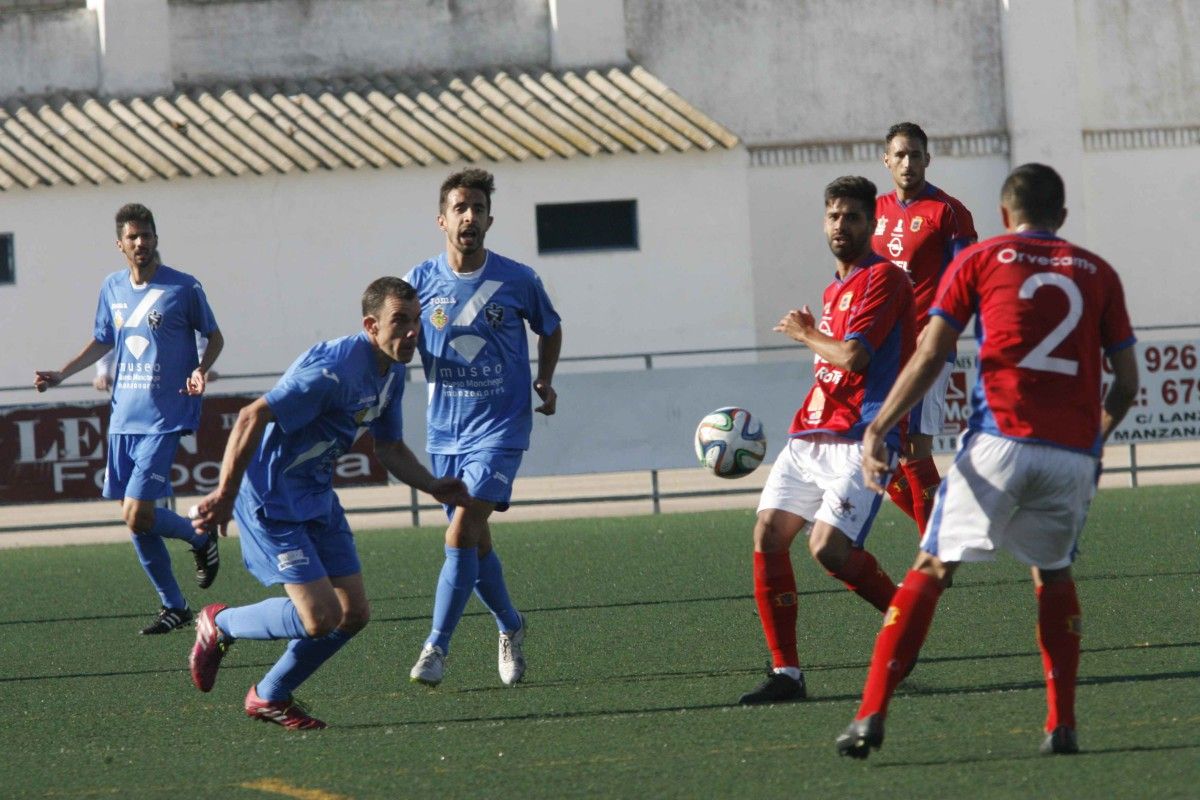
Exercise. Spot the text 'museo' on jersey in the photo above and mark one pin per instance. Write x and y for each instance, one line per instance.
(152, 329)
(327, 398)
(475, 352)
(1046, 311)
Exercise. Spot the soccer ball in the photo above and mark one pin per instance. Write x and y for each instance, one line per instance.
(730, 442)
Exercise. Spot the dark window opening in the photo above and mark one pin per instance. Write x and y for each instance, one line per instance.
(8, 270)
(576, 227)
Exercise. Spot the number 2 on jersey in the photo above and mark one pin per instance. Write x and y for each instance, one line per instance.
(1039, 357)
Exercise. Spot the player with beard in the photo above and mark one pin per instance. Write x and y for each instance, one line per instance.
(148, 318)
(864, 335)
(475, 307)
(921, 229)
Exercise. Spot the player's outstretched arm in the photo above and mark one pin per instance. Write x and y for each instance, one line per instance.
(216, 509)
(549, 349)
(402, 463)
(90, 354)
(1122, 392)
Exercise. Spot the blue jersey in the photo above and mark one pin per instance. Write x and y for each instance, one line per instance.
(475, 352)
(326, 399)
(152, 329)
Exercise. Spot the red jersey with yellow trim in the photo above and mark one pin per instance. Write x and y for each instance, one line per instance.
(1045, 311)
(874, 304)
(922, 236)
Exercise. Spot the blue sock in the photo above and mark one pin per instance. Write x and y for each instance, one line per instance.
(152, 552)
(491, 590)
(298, 662)
(273, 618)
(170, 525)
(459, 573)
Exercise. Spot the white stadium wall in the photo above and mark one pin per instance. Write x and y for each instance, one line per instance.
(284, 259)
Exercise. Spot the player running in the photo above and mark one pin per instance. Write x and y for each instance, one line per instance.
(864, 336)
(1027, 467)
(293, 530)
(148, 317)
(475, 307)
(921, 229)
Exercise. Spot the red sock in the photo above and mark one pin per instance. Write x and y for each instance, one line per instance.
(1058, 639)
(904, 629)
(901, 494)
(923, 480)
(775, 595)
(862, 575)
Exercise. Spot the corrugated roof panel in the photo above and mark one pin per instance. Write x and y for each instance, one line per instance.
(143, 129)
(380, 120)
(176, 136)
(27, 139)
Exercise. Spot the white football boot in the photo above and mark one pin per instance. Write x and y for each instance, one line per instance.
(511, 661)
(430, 666)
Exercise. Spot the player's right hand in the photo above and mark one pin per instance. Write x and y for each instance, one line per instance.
(876, 462)
(213, 511)
(102, 383)
(46, 379)
(450, 491)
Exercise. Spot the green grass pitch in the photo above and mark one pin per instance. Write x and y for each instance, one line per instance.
(642, 635)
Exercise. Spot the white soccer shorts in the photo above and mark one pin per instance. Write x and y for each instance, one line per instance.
(1031, 499)
(929, 415)
(820, 478)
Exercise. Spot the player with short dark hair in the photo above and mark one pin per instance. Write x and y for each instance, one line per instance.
(1046, 312)
(919, 228)
(148, 317)
(864, 335)
(277, 480)
(475, 308)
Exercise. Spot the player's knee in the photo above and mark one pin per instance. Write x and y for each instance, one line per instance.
(355, 619)
(769, 535)
(322, 620)
(140, 520)
(829, 552)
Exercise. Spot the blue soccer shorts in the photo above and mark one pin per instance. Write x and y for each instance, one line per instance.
(139, 465)
(280, 551)
(488, 474)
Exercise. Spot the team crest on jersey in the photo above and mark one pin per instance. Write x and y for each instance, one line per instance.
(154, 319)
(494, 314)
(915, 225)
(118, 320)
(847, 298)
(880, 226)
(439, 318)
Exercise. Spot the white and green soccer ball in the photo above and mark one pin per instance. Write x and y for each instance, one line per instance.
(730, 442)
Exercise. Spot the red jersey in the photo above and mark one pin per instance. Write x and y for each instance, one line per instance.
(1045, 311)
(922, 236)
(874, 304)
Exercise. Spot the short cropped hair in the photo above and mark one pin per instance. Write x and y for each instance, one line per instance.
(469, 178)
(1036, 192)
(134, 212)
(381, 289)
(910, 130)
(852, 187)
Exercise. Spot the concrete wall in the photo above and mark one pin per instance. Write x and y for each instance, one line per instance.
(284, 259)
(42, 52)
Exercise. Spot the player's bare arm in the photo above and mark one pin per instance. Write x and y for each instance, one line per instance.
(398, 459)
(1122, 392)
(90, 354)
(549, 348)
(198, 380)
(216, 509)
(911, 385)
(801, 326)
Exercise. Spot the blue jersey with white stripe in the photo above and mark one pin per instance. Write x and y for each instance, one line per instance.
(327, 398)
(475, 351)
(152, 329)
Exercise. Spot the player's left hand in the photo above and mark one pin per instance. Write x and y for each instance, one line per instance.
(213, 511)
(876, 463)
(451, 491)
(195, 383)
(797, 323)
(548, 395)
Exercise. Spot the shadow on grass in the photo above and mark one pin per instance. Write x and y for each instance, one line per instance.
(833, 589)
(1035, 756)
